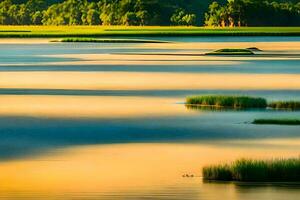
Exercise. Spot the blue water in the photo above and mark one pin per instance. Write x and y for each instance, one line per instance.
(23, 137)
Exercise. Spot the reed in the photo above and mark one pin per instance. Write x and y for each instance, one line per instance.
(249, 170)
(227, 101)
(291, 105)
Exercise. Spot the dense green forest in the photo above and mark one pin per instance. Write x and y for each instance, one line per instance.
(151, 12)
(253, 13)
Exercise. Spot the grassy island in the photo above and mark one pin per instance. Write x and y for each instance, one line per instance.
(107, 40)
(239, 102)
(277, 121)
(231, 52)
(227, 101)
(291, 105)
(248, 170)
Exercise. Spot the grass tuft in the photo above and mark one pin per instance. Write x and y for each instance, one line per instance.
(231, 52)
(227, 101)
(277, 121)
(249, 170)
(290, 105)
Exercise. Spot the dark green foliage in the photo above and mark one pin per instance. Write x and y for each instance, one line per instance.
(180, 17)
(254, 13)
(290, 105)
(151, 12)
(277, 121)
(103, 12)
(276, 170)
(228, 101)
(231, 52)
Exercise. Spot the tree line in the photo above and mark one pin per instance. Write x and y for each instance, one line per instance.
(150, 12)
(253, 13)
(102, 12)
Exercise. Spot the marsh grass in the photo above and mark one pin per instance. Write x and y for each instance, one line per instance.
(249, 170)
(109, 31)
(212, 108)
(236, 102)
(290, 105)
(106, 40)
(231, 52)
(277, 121)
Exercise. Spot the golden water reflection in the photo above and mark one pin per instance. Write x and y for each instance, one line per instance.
(134, 170)
(146, 81)
(89, 106)
(126, 167)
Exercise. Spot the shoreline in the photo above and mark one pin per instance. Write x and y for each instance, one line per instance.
(140, 31)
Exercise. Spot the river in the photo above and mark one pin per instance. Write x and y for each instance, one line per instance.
(108, 121)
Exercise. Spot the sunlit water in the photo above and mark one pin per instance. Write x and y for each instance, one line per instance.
(108, 121)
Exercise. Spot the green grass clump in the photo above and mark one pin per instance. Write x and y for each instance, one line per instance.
(231, 52)
(106, 40)
(249, 170)
(219, 172)
(291, 105)
(277, 121)
(227, 101)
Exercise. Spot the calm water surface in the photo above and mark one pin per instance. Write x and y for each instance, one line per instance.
(108, 121)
